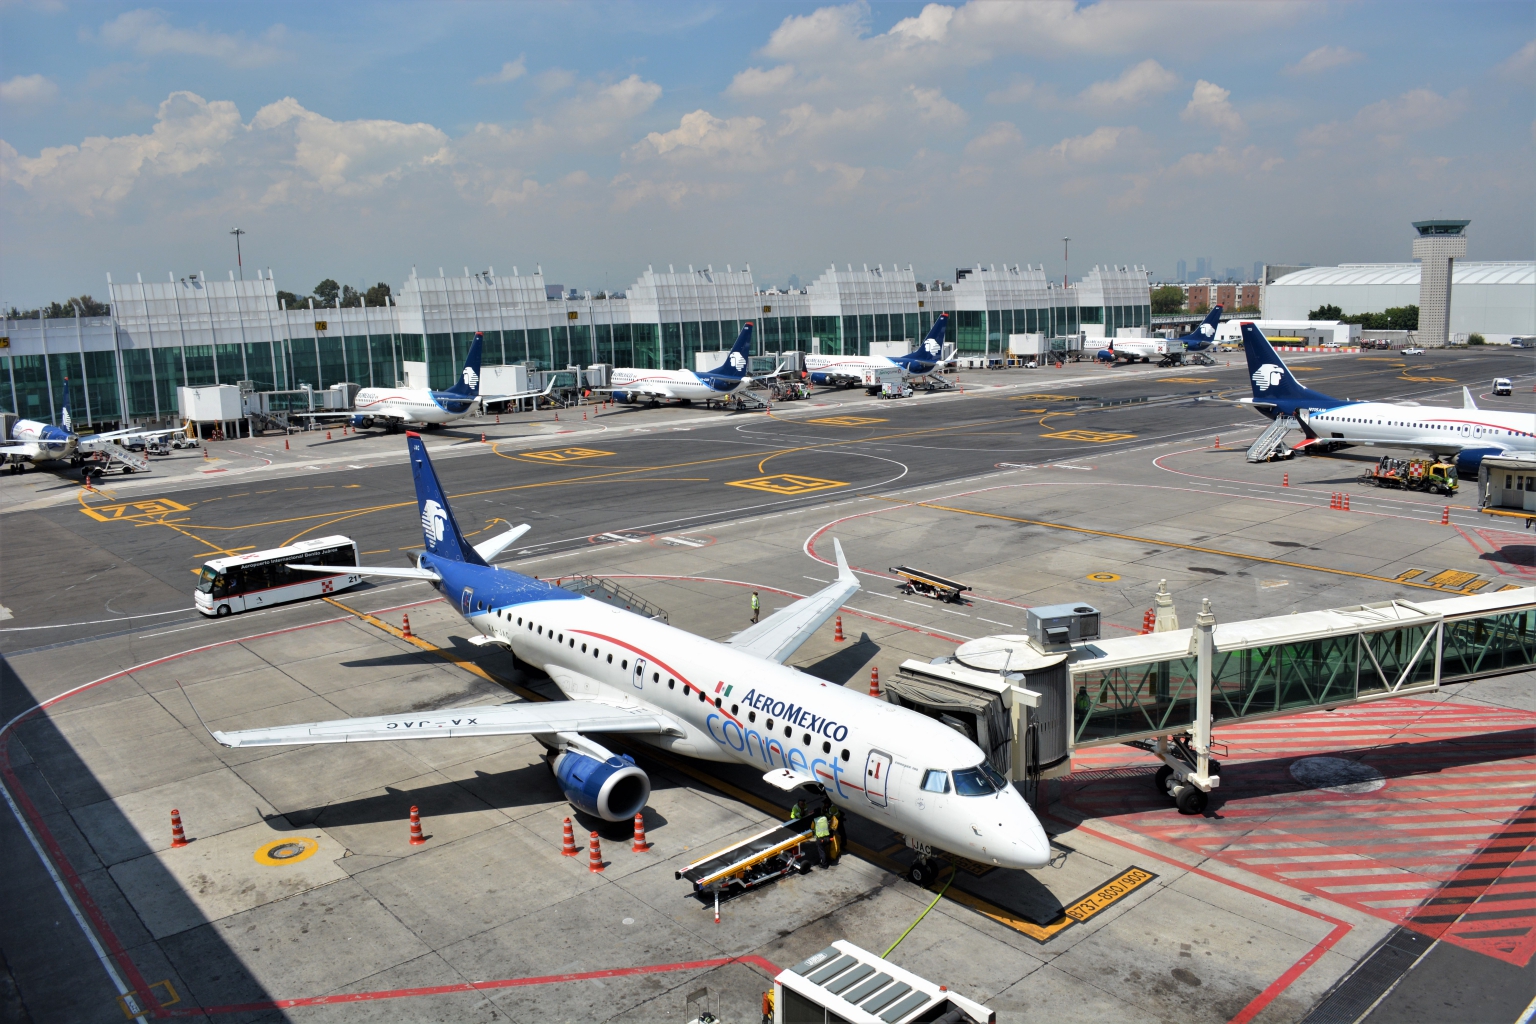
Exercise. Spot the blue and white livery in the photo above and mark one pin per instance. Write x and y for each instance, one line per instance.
(1203, 338)
(424, 407)
(849, 371)
(729, 702)
(33, 443)
(631, 384)
(1462, 435)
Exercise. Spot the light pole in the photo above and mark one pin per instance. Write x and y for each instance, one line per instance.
(1065, 249)
(237, 232)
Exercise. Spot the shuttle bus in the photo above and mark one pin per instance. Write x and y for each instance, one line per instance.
(262, 578)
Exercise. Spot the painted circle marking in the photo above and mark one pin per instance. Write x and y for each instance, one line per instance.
(1103, 577)
(286, 851)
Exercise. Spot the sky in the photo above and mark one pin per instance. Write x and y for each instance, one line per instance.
(355, 141)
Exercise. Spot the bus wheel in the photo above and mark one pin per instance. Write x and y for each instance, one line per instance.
(223, 610)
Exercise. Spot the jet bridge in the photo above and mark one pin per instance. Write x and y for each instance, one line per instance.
(1165, 691)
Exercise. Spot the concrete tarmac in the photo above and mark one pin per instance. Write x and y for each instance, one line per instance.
(1024, 487)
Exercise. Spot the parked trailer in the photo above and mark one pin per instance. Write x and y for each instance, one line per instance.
(929, 584)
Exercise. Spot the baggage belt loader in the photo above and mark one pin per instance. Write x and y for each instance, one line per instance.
(765, 857)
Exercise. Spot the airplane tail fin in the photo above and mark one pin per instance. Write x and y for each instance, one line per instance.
(740, 356)
(1205, 334)
(1272, 380)
(438, 528)
(468, 384)
(932, 351)
(64, 420)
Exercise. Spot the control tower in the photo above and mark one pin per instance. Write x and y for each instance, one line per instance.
(1439, 243)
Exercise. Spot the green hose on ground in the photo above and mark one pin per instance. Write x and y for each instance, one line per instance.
(924, 914)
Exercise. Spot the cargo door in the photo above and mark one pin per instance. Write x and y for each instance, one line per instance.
(877, 775)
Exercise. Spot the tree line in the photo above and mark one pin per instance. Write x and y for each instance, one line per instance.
(1396, 318)
(84, 305)
(334, 296)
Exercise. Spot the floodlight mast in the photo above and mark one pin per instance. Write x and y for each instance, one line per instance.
(237, 232)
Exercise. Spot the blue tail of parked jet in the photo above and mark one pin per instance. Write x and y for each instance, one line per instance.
(736, 360)
(468, 385)
(930, 353)
(1204, 336)
(438, 527)
(64, 408)
(1273, 383)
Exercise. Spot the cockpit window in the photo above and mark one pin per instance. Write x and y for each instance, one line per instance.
(935, 781)
(973, 782)
(993, 774)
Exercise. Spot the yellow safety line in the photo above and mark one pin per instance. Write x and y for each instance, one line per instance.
(1161, 543)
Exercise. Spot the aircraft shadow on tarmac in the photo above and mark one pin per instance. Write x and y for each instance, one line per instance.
(839, 668)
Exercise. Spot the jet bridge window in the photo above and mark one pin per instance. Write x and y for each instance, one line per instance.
(934, 781)
(973, 782)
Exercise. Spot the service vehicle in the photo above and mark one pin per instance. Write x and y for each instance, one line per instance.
(183, 441)
(261, 579)
(1413, 351)
(1503, 386)
(1412, 475)
(927, 584)
(895, 390)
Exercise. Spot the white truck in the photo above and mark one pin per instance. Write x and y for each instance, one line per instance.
(877, 377)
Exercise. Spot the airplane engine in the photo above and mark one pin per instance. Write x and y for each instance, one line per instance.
(362, 421)
(612, 788)
(623, 396)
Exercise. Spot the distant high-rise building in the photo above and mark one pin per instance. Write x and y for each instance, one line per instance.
(1183, 275)
(1202, 267)
(1234, 274)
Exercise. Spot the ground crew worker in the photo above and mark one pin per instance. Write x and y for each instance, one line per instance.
(823, 835)
(799, 810)
(756, 606)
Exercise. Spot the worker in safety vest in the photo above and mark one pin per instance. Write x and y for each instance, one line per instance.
(823, 835)
(756, 606)
(799, 810)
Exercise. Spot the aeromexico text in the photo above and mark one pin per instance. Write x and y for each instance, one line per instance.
(740, 738)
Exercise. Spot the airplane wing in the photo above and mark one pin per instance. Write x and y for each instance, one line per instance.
(577, 716)
(401, 573)
(489, 549)
(522, 394)
(781, 634)
(335, 414)
(22, 449)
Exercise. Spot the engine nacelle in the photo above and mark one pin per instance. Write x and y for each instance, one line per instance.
(614, 789)
(623, 396)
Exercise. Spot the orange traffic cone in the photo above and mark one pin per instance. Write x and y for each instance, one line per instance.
(178, 834)
(482, 439)
(405, 630)
(498, 419)
(874, 680)
(838, 634)
(416, 837)
(1218, 442)
(583, 414)
(595, 856)
(568, 840)
(1445, 517)
(1346, 502)
(1286, 482)
(557, 416)
(327, 435)
(285, 444)
(640, 844)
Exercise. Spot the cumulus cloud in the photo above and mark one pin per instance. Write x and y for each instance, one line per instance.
(999, 135)
(1017, 92)
(1324, 58)
(1222, 160)
(757, 82)
(1389, 121)
(702, 134)
(1521, 65)
(511, 71)
(149, 34)
(1098, 145)
(1135, 85)
(933, 106)
(350, 156)
(1208, 105)
(598, 111)
(28, 89)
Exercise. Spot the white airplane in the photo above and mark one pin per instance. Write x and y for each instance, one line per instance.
(848, 371)
(1462, 435)
(34, 443)
(1167, 351)
(630, 383)
(424, 407)
(733, 702)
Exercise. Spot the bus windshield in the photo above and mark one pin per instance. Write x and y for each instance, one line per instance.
(205, 580)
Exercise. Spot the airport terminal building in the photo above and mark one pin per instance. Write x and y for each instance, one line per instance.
(195, 331)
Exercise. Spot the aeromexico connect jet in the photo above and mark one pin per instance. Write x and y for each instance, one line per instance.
(848, 371)
(425, 407)
(629, 383)
(637, 678)
(33, 442)
(1461, 435)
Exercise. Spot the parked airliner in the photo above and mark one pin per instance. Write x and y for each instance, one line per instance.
(33, 442)
(424, 407)
(1462, 435)
(848, 371)
(629, 383)
(1204, 336)
(732, 702)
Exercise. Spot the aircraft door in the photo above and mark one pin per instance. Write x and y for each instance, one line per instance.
(467, 600)
(877, 775)
(638, 677)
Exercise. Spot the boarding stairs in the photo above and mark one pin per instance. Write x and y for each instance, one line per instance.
(108, 451)
(939, 382)
(1271, 444)
(600, 589)
(744, 400)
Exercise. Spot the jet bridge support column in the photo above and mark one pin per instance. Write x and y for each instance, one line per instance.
(1205, 651)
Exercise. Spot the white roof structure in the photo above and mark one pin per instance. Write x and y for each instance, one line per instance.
(1487, 298)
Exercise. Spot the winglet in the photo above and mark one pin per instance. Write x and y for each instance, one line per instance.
(1466, 398)
(844, 574)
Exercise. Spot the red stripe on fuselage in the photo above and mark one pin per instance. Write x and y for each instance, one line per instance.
(655, 661)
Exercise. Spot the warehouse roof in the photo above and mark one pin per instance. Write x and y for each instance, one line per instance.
(1512, 273)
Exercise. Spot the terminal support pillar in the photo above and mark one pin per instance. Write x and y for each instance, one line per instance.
(1205, 652)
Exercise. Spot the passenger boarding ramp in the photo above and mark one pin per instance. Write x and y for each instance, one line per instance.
(1271, 443)
(1165, 691)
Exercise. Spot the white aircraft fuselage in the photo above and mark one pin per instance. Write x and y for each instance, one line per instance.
(1438, 429)
(870, 755)
(409, 406)
(673, 385)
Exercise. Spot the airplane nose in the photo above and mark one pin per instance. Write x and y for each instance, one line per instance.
(1029, 846)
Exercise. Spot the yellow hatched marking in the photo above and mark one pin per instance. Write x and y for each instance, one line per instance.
(1190, 380)
(131, 510)
(1427, 380)
(567, 454)
(847, 421)
(1091, 436)
(1452, 579)
(786, 483)
(1049, 398)
(1404, 577)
